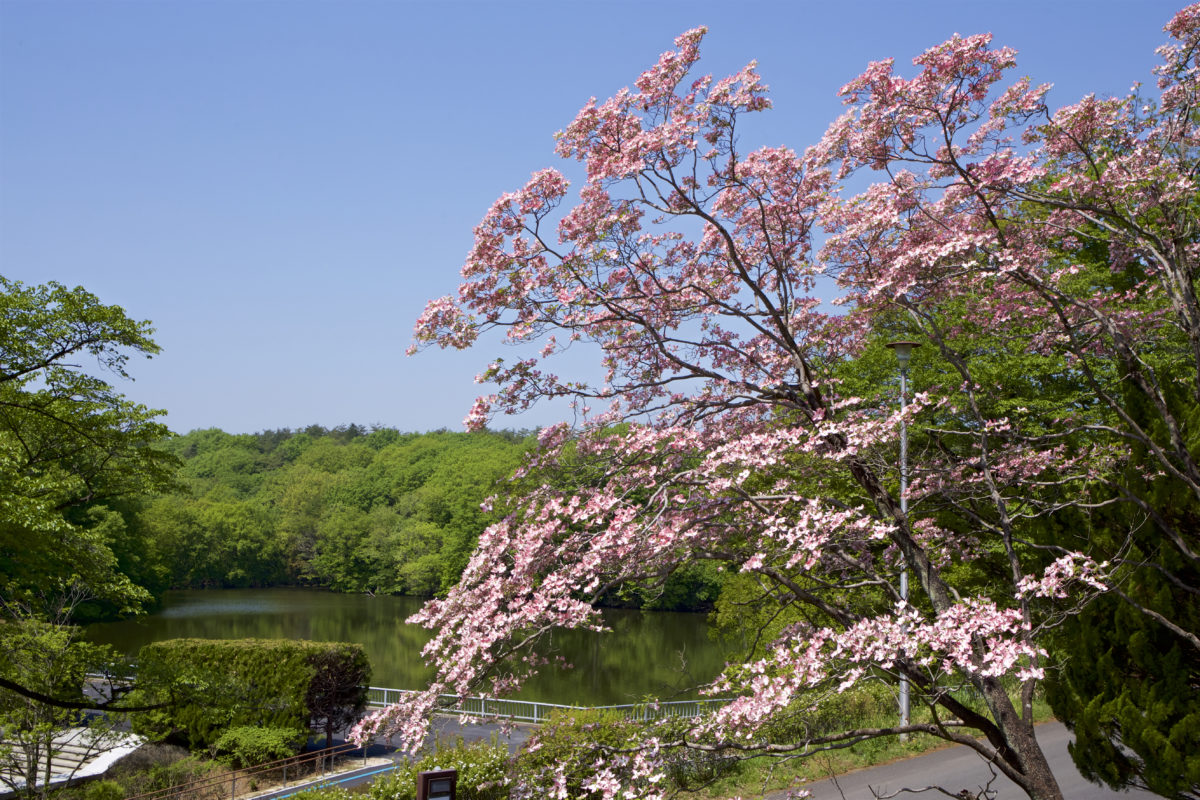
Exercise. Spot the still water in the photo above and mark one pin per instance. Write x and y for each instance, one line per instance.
(647, 654)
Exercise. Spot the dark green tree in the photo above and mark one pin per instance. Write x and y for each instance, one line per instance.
(1128, 674)
(337, 693)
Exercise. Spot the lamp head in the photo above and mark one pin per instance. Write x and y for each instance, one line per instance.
(903, 351)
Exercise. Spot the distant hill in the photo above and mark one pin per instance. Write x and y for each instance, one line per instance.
(349, 508)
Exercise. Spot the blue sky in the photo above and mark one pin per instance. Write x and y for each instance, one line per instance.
(281, 185)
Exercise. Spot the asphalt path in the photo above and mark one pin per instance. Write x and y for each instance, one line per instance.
(959, 767)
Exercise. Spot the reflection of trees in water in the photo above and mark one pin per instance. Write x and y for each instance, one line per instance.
(647, 654)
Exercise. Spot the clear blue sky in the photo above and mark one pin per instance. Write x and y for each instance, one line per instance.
(279, 185)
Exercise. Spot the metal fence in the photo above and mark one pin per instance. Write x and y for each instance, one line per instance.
(536, 712)
(233, 783)
(523, 710)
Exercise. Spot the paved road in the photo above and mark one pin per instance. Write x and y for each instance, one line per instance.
(447, 729)
(958, 768)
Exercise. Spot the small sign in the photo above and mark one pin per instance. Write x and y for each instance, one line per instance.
(437, 784)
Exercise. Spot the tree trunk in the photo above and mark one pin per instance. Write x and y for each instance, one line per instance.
(1026, 754)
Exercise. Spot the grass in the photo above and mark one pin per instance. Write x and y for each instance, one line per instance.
(764, 774)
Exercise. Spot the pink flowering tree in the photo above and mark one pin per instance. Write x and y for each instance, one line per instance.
(1044, 260)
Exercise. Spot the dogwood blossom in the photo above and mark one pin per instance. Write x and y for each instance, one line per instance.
(696, 271)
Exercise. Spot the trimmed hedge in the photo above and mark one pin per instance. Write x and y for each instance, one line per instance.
(214, 684)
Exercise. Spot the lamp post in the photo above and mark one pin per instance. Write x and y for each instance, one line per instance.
(903, 352)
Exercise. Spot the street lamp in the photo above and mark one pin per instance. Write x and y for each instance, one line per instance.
(903, 352)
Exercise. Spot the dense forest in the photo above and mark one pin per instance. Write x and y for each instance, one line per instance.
(348, 508)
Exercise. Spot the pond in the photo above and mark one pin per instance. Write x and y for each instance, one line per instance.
(657, 654)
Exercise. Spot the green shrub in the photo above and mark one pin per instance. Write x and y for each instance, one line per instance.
(482, 768)
(153, 767)
(178, 773)
(398, 784)
(482, 773)
(103, 790)
(327, 793)
(823, 711)
(572, 739)
(245, 746)
(210, 685)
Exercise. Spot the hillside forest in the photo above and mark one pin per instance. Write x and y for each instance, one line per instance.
(349, 509)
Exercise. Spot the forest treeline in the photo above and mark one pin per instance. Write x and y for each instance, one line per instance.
(349, 508)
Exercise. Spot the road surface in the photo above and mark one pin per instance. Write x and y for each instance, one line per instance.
(958, 768)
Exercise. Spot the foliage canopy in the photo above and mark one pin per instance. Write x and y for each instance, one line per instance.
(71, 448)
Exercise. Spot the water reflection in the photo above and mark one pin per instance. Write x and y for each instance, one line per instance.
(648, 654)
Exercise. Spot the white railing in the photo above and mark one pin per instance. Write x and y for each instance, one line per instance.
(536, 712)
(530, 710)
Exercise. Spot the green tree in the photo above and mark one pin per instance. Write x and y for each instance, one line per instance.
(75, 459)
(358, 512)
(337, 692)
(299, 496)
(1128, 676)
(70, 446)
(340, 559)
(51, 660)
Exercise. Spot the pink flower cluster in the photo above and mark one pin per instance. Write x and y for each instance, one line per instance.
(1029, 250)
(1061, 576)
